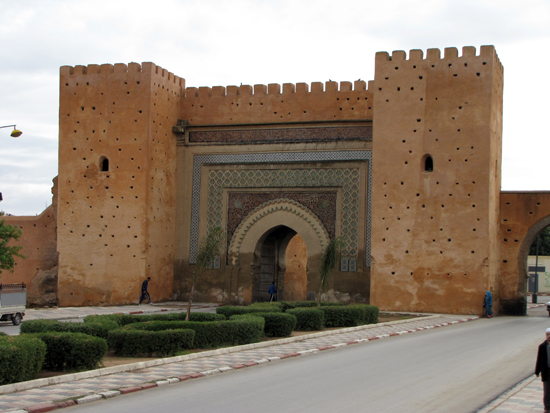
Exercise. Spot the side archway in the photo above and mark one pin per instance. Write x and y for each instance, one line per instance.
(523, 253)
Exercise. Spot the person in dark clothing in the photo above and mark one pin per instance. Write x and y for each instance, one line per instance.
(144, 293)
(272, 291)
(543, 368)
(488, 304)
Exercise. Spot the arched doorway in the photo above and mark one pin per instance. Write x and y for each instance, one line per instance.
(283, 261)
(277, 222)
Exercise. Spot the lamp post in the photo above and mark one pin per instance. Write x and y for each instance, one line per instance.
(15, 133)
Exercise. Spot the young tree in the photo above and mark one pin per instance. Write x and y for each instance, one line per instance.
(208, 249)
(329, 260)
(8, 253)
(544, 243)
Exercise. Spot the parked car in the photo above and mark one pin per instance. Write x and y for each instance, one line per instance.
(13, 301)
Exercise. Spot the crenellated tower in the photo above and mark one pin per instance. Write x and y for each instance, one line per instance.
(437, 129)
(117, 168)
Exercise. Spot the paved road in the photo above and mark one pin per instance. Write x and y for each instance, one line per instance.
(458, 368)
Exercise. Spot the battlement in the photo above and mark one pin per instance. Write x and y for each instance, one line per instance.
(276, 89)
(121, 68)
(434, 55)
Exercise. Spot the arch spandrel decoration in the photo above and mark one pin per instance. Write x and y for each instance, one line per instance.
(282, 211)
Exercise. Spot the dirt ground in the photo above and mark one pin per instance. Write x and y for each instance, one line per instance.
(111, 360)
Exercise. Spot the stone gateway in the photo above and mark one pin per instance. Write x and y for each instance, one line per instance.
(406, 169)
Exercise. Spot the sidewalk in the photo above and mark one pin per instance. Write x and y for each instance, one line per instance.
(525, 397)
(62, 391)
(66, 313)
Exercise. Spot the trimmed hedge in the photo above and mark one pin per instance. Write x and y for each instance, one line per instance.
(348, 316)
(229, 310)
(278, 324)
(72, 351)
(131, 343)
(42, 326)
(308, 319)
(212, 333)
(370, 313)
(21, 358)
(113, 321)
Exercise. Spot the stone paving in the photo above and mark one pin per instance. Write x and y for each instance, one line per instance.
(525, 397)
(176, 369)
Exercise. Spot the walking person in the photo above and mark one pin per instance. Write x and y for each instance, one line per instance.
(488, 304)
(272, 291)
(543, 368)
(144, 293)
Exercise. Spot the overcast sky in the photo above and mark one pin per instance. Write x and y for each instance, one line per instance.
(230, 42)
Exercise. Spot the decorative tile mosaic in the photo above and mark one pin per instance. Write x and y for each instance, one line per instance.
(248, 136)
(277, 157)
(347, 179)
(323, 204)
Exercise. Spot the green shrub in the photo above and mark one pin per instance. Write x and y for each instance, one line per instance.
(210, 334)
(132, 342)
(200, 317)
(72, 351)
(229, 310)
(308, 319)
(369, 313)
(278, 324)
(272, 306)
(42, 326)
(343, 316)
(108, 322)
(21, 358)
(112, 321)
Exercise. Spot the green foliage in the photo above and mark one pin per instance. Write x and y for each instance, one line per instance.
(42, 326)
(344, 316)
(21, 358)
(200, 317)
(211, 334)
(133, 343)
(370, 313)
(329, 260)
(107, 322)
(272, 306)
(72, 351)
(308, 319)
(113, 321)
(208, 249)
(229, 310)
(278, 324)
(544, 243)
(9, 252)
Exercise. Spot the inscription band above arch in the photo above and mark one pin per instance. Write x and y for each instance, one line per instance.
(274, 157)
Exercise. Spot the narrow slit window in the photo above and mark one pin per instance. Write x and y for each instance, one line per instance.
(104, 164)
(428, 164)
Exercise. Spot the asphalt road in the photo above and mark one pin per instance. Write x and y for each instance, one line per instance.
(8, 328)
(457, 368)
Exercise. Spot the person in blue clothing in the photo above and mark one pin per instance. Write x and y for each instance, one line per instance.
(272, 291)
(144, 293)
(488, 304)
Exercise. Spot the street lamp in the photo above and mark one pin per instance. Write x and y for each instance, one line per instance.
(15, 133)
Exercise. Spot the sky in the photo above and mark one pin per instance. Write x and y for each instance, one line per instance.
(229, 42)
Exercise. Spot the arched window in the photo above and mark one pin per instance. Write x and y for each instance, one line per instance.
(103, 164)
(428, 164)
